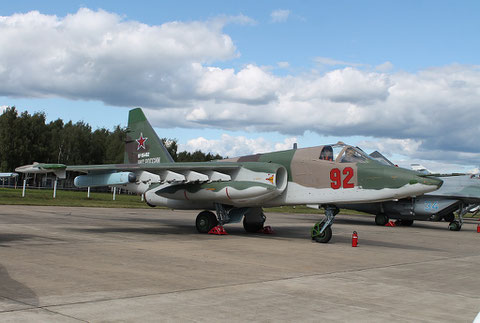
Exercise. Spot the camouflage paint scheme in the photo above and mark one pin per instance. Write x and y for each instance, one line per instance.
(322, 175)
(298, 175)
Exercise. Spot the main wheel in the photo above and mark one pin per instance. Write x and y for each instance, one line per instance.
(381, 219)
(450, 217)
(253, 220)
(455, 226)
(406, 223)
(206, 220)
(323, 237)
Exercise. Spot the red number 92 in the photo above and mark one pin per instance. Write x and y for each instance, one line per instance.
(336, 178)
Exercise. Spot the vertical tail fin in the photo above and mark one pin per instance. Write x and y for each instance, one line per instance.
(143, 145)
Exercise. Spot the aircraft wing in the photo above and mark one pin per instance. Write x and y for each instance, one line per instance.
(461, 187)
(197, 172)
(169, 172)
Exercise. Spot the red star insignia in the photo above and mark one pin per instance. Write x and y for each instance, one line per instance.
(141, 142)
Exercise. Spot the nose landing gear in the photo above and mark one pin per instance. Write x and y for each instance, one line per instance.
(322, 231)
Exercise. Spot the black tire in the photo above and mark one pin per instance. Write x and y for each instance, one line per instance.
(206, 220)
(325, 236)
(454, 226)
(381, 219)
(254, 220)
(450, 217)
(407, 223)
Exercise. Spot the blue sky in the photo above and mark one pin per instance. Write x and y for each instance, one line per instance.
(306, 71)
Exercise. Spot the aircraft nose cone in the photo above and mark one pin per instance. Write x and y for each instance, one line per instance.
(430, 181)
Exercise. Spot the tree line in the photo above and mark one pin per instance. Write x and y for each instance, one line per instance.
(26, 138)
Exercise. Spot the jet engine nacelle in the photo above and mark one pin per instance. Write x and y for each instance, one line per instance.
(108, 179)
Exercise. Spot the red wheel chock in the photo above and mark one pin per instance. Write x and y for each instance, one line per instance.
(218, 230)
(267, 230)
(390, 224)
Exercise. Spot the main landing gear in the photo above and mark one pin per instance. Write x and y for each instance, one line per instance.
(456, 225)
(322, 231)
(206, 221)
(381, 219)
(253, 219)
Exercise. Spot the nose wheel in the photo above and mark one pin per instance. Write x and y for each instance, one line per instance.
(456, 225)
(322, 231)
(318, 235)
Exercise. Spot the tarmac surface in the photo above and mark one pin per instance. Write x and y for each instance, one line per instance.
(61, 264)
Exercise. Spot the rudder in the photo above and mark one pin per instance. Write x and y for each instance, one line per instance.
(143, 145)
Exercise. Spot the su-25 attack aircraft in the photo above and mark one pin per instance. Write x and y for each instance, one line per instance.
(238, 188)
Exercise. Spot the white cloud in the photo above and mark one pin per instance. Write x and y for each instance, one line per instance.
(170, 69)
(283, 64)
(233, 146)
(407, 151)
(3, 108)
(384, 67)
(279, 15)
(389, 146)
(430, 112)
(99, 55)
(241, 19)
(334, 62)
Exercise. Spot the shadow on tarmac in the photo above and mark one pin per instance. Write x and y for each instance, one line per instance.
(8, 237)
(281, 233)
(16, 291)
(164, 230)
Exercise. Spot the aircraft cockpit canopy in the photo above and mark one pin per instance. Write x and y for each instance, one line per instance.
(327, 153)
(343, 154)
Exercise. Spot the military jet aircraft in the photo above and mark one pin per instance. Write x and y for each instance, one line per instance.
(239, 187)
(459, 193)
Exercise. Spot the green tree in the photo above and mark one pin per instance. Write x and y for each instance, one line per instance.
(8, 140)
(57, 142)
(115, 146)
(196, 156)
(26, 138)
(172, 147)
